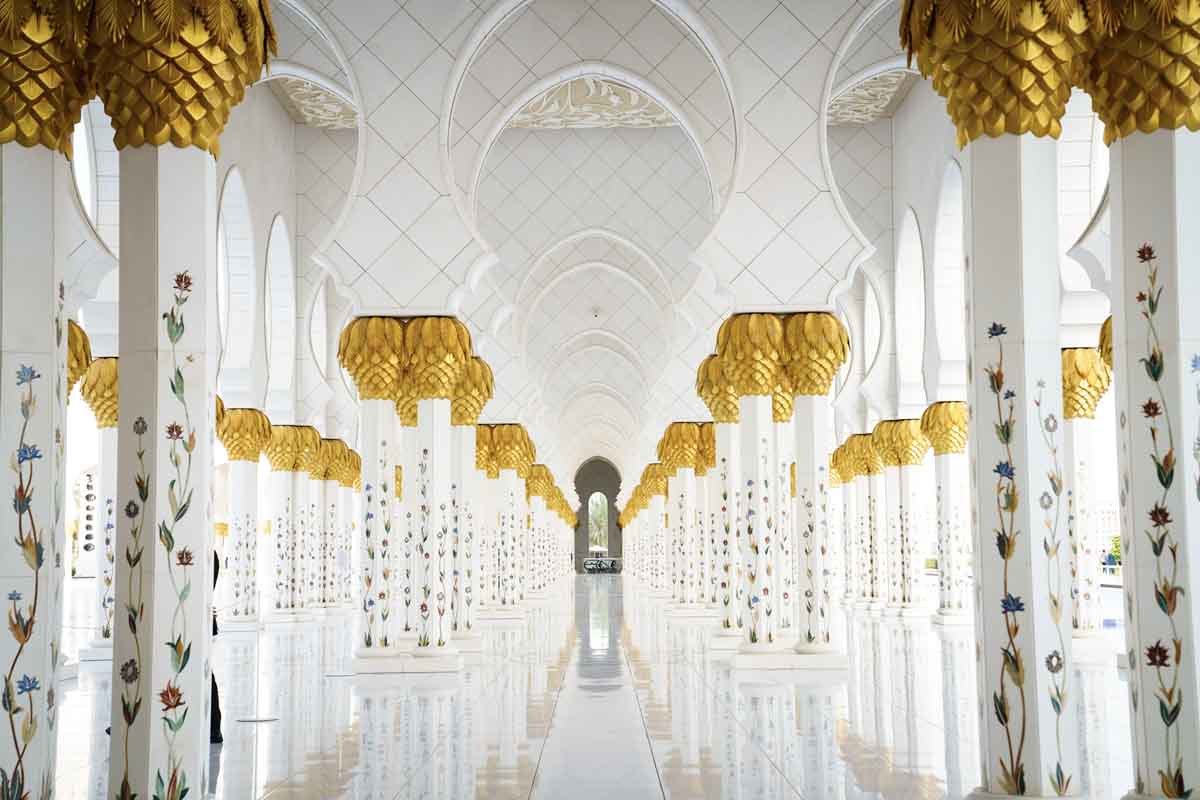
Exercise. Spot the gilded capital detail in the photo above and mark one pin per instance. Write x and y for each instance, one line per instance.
(172, 72)
(1105, 345)
(473, 391)
(1004, 66)
(751, 350)
(716, 391)
(245, 433)
(680, 446)
(79, 354)
(371, 349)
(817, 345)
(436, 351)
(512, 449)
(1085, 379)
(945, 426)
(100, 391)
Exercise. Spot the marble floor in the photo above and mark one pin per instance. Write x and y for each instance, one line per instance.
(600, 694)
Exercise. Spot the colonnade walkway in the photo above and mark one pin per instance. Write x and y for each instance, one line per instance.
(600, 693)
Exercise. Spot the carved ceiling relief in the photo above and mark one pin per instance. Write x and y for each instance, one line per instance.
(315, 106)
(874, 98)
(592, 103)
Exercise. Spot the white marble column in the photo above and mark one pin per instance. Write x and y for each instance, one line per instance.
(431, 486)
(35, 189)
(783, 448)
(1156, 361)
(760, 598)
(1085, 379)
(708, 488)
(514, 455)
(813, 444)
(1022, 571)
(371, 349)
(245, 433)
(334, 456)
(945, 425)
(719, 395)
(889, 544)
(348, 516)
(285, 493)
(468, 483)
(310, 499)
(100, 392)
(842, 472)
(403, 524)
(910, 448)
(164, 548)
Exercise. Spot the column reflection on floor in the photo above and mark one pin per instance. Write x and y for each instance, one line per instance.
(597, 692)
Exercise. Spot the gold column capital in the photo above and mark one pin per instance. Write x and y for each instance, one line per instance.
(841, 461)
(353, 477)
(512, 449)
(291, 447)
(1144, 71)
(751, 347)
(707, 457)
(783, 399)
(310, 452)
(79, 353)
(100, 391)
(371, 349)
(1004, 67)
(436, 351)
(45, 78)
(1085, 379)
(835, 474)
(173, 72)
(333, 454)
(1105, 345)
(654, 478)
(865, 458)
(715, 390)
(945, 426)
(904, 445)
(539, 483)
(473, 391)
(485, 457)
(244, 432)
(679, 447)
(818, 345)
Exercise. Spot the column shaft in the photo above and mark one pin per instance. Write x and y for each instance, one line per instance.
(34, 190)
(756, 523)
(1022, 557)
(373, 551)
(952, 473)
(813, 443)
(240, 573)
(432, 483)
(164, 584)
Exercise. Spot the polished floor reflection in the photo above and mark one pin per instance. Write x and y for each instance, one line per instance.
(600, 693)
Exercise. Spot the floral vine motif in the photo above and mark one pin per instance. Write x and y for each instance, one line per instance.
(368, 602)
(758, 564)
(131, 676)
(385, 590)
(729, 581)
(21, 618)
(1164, 544)
(424, 548)
(1051, 505)
(180, 453)
(1012, 671)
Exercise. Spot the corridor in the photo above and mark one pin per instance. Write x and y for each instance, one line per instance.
(615, 700)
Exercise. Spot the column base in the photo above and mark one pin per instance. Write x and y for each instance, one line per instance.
(435, 659)
(725, 640)
(468, 642)
(499, 614)
(689, 610)
(288, 617)
(97, 650)
(914, 612)
(751, 658)
(234, 625)
(952, 618)
(379, 661)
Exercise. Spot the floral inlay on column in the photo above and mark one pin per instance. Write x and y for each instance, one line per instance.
(1165, 658)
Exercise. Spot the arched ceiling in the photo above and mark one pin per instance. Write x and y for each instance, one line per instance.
(592, 185)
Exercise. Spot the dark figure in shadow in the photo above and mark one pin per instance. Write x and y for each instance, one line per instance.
(214, 728)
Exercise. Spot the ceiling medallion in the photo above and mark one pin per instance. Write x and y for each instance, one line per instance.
(874, 98)
(314, 106)
(592, 103)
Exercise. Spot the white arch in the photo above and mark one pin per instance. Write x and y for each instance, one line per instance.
(590, 69)
(279, 307)
(589, 266)
(237, 284)
(600, 388)
(564, 348)
(946, 336)
(633, 367)
(909, 314)
(595, 233)
(500, 14)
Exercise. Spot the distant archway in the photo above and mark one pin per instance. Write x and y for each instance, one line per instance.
(597, 476)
